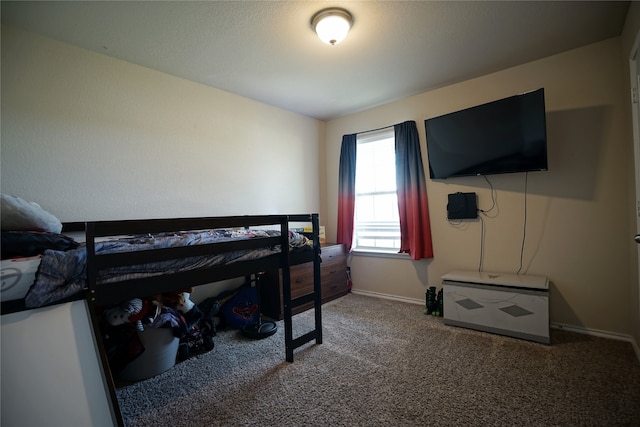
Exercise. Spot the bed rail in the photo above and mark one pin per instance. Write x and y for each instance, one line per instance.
(119, 291)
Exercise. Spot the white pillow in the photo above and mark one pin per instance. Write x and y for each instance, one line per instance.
(19, 215)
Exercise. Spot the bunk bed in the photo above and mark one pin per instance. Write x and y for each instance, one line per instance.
(106, 284)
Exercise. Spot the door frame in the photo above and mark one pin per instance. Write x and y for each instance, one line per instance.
(634, 76)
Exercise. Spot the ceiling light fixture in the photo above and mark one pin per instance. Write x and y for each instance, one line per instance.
(332, 25)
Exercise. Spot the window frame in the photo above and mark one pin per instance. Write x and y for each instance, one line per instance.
(364, 138)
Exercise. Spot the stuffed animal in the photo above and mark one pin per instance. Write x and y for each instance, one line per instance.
(184, 304)
(178, 300)
(132, 311)
(188, 309)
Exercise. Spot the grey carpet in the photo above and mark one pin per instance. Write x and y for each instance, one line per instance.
(384, 363)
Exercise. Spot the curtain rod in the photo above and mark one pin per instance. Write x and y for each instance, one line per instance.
(374, 130)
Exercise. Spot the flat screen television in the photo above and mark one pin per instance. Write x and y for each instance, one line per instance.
(503, 136)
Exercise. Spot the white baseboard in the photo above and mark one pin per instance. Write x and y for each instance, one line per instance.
(388, 296)
(554, 325)
(599, 333)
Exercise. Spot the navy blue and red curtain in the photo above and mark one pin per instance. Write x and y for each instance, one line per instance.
(415, 229)
(347, 190)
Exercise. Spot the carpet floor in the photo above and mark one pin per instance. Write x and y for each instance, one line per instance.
(384, 363)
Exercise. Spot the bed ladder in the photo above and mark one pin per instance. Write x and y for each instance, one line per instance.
(292, 343)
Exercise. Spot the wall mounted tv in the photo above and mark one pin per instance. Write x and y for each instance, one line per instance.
(503, 136)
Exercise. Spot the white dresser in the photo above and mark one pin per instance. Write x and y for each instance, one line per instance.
(51, 371)
(505, 304)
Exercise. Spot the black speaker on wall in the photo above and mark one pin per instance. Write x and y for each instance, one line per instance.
(462, 206)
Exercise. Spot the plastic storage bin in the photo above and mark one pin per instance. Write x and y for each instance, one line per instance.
(161, 349)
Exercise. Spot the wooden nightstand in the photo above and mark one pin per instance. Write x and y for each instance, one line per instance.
(333, 274)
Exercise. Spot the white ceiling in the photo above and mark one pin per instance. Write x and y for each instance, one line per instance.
(267, 51)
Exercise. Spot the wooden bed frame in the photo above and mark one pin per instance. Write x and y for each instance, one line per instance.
(103, 295)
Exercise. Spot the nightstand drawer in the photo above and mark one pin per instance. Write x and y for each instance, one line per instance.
(334, 288)
(334, 253)
(301, 280)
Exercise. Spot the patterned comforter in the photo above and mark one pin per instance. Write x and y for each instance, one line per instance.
(64, 274)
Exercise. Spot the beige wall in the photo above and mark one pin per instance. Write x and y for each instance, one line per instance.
(578, 220)
(90, 137)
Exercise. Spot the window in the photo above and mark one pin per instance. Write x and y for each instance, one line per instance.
(377, 226)
(377, 222)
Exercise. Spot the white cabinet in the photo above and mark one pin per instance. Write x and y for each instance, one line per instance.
(51, 371)
(505, 304)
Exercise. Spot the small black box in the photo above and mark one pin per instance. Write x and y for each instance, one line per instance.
(462, 206)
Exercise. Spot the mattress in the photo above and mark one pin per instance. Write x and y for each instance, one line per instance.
(63, 274)
(17, 274)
